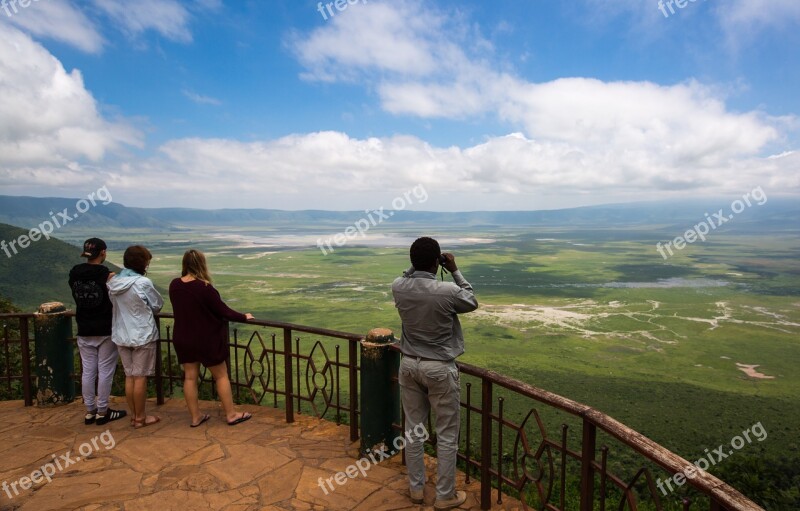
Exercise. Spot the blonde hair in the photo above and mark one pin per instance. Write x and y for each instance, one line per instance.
(194, 264)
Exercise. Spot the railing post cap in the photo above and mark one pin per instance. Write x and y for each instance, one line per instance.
(380, 336)
(52, 308)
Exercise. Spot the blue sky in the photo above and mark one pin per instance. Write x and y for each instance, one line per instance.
(497, 105)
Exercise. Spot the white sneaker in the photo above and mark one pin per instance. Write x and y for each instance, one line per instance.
(456, 500)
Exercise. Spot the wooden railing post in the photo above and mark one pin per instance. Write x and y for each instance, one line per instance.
(288, 376)
(486, 443)
(26, 361)
(588, 447)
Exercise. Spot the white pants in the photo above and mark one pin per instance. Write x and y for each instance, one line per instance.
(99, 360)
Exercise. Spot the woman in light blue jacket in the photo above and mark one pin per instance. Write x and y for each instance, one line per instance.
(134, 329)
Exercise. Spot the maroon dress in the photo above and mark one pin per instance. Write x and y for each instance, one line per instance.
(200, 333)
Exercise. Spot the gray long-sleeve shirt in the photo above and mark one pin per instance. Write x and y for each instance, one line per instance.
(429, 312)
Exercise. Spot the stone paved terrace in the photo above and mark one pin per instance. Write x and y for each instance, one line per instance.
(262, 464)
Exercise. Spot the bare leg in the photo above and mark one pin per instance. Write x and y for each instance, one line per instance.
(220, 374)
(191, 373)
(129, 388)
(140, 398)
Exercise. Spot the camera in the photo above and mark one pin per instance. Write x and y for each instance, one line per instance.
(442, 262)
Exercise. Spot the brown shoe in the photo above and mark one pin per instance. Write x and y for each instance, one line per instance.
(456, 500)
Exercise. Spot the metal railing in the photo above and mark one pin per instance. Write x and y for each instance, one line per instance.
(276, 364)
(254, 368)
(14, 350)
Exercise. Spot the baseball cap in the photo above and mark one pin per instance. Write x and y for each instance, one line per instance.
(92, 247)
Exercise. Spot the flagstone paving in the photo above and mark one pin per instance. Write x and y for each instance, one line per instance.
(261, 464)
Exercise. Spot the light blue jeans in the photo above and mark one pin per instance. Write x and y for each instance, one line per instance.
(99, 360)
(428, 385)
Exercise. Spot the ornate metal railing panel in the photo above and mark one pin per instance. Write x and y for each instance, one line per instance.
(302, 369)
(16, 358)
(551, 463)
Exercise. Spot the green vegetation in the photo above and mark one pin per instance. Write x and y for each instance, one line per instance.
(594, 315)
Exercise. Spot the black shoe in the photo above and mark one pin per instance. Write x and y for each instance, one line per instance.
(89, 417)
(111, 415)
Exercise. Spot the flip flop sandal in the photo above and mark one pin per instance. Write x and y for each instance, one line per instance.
(204, 418)
(245, 417)
(142, 423)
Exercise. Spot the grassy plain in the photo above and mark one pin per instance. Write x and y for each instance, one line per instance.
(596, 316)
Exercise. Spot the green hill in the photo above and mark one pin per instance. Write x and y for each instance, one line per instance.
(38, 273)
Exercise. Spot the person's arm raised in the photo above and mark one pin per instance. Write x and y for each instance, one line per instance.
(464, 299)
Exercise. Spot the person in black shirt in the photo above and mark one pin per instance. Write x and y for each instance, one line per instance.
(93, 315)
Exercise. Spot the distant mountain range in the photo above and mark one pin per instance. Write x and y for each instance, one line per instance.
(31, 211)
(775, 215)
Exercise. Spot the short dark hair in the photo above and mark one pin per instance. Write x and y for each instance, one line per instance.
(137, 258)
(424, 253)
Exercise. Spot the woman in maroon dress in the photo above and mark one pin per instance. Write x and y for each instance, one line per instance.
(200, 335)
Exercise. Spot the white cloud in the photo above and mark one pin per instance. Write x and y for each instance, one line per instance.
(685, 123)
(743, 19)
(737, 21)
(48, 120)
(569, 137)
(333, 170)
(58, 20)
(578, 133)
(167, 17)
(404, 38)
(64, 21)
(200, 99)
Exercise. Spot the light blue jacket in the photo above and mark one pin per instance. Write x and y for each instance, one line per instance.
(135, 302)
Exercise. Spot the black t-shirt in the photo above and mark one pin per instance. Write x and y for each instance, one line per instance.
(88, 284)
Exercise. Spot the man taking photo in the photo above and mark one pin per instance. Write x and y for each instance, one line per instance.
(429, 379)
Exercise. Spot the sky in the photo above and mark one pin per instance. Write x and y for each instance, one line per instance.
(501, 105)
